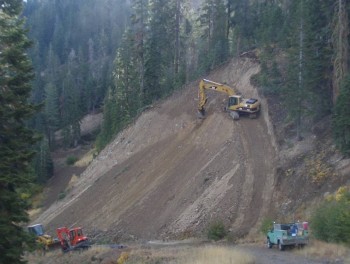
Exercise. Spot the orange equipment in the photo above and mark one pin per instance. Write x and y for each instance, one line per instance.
(72, 239)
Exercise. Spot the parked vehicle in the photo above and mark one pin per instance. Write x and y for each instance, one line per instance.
(292, 234)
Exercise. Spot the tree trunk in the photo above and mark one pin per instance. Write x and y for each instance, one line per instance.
(300, 79)
(177, 38)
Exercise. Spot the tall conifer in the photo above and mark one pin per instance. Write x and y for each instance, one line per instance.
(16, 140)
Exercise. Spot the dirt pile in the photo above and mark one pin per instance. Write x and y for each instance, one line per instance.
(170, 175)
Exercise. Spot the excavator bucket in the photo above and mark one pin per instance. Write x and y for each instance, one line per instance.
(201, 114)
(234, 115)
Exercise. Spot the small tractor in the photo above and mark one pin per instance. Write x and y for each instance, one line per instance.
(72, 239)
(43, 239)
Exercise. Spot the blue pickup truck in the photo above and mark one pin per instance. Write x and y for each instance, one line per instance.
(292, 234)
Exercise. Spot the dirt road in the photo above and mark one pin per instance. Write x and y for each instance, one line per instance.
(263, 255)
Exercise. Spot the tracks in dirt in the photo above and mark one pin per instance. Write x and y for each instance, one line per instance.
(166, 174)
(259, 166)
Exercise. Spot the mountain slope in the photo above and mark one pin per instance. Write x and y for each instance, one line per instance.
(170, 174)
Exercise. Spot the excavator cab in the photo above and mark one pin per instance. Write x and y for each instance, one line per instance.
(41, 238)
(72, 239)
(37, 229)
(234, 100)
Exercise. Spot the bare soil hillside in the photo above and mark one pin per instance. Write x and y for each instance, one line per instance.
(170, 175)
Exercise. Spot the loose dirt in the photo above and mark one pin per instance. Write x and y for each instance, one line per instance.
(171, 175)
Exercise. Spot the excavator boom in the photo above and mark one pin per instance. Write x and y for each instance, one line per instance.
(207, 84)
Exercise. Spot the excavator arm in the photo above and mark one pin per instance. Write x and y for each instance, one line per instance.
(207, 84)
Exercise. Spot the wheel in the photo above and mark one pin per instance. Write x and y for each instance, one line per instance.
(234, 115)
(280, 246)
(269, 244)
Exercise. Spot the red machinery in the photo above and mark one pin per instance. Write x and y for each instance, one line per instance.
(73, 238)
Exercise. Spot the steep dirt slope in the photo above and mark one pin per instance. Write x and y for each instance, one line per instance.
(170, 174)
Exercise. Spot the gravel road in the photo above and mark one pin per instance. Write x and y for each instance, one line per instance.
(264, 255)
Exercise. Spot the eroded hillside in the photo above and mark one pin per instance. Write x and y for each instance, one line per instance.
(169, 174)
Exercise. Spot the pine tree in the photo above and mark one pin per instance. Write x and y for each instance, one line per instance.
(243, 22)
(159, 63)
(341, 118)
(139, 22)
(341, 45)
(126, 80)
(52, 118)
(16, 140)
(213, 21)
(296, 90)
(43, 163)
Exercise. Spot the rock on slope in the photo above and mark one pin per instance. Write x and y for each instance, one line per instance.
(170, 174)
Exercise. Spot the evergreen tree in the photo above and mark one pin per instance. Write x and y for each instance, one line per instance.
(91, 31)
(341, 118)
(139, 22)
(43, 163)
(341, 45)
(110, 119)
(52, 118)
(296, 89)
(318, 55)
(16, 140)
(126, 80)
(159, 62)
(214, 49)
(243, 22)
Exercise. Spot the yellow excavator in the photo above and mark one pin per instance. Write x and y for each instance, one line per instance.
(237, 105)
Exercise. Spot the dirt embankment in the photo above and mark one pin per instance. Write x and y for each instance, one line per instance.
(170, 175)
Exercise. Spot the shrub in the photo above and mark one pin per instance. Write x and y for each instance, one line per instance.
(71, 160)
(331, 221)
(266, 225)
(216, 231)
(61, 195)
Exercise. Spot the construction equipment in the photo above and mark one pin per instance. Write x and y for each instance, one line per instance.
(42, 238)
(236, 103)
(72, 239)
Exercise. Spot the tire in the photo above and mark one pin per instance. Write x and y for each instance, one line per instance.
(280, 246)
(269, 244)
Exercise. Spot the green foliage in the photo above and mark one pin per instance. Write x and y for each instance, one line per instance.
(331, 221)
(216, 231)
(71, 160)
(61, 195)
(73, 53)
(341, 118)
(43, 164)
(266, 225)
(16, 140)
